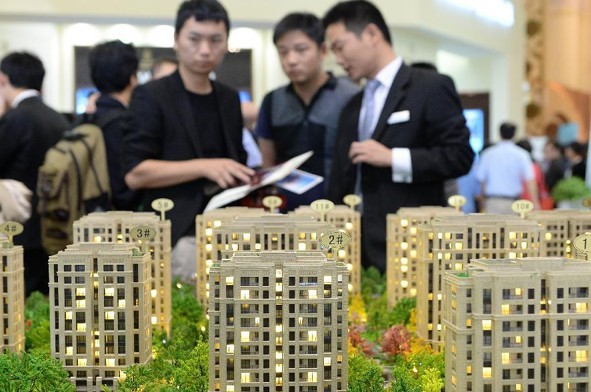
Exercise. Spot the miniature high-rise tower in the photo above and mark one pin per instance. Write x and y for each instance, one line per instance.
(100, 303)
(518, 325)
(265, 232)
(401, 271)
(116, 226)
(204, 225)
(12, 292)
(346, 219)
(558, 227)
(450, 243)
(278, 322)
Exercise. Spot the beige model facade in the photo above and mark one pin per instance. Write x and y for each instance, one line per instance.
(559, 228)
(266, 232)
(449, 244)
(116, 226)
(518, 325)
(278, 322)
(402, 229)
(204, 225)
(348, 220)
(12, 292)
(100, 301)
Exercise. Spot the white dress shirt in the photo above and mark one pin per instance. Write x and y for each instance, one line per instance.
(22, 96)
(401, 162)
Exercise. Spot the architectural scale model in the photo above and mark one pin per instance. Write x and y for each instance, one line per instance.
(558, 228)
(115, 226)
(347, 219)
(278, 322)
(401, 271)
(204, 225)
(267, 232)
(451, 243)
(12, 292)
(518, 325)
(100, 309)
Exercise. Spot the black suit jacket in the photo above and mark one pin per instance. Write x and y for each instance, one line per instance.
(438, 140)
(161, 126)
(26, 133)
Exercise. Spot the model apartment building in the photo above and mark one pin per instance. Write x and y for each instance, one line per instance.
(402, 229)
(100, 309)
(204, 225)
(12, 292)
(267, 232)
(348, 220)
(116, 226)
(518, 325)
(278, 322)
(449, 244)
(559, 228)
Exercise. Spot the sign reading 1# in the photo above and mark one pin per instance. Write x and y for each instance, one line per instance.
(583, 244)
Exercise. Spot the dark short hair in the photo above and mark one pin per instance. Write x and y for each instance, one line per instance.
(578, 148)
(307, 23)
(356, 15)
(507, 130)
(112, 64)
(23, 69)
(201, 10)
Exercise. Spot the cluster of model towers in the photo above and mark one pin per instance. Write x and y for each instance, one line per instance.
(270, 285)
(505, 296)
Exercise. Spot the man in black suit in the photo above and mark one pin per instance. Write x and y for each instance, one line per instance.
(400, 138)
(27, 130)
(184, 137)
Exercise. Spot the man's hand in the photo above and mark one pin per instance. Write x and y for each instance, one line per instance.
(226, 172)
(370, 152)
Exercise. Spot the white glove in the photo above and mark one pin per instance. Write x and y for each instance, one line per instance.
(15, 201)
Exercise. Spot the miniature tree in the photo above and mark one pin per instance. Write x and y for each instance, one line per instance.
(431, 381)
(33, 373)
(174, 369)
(403, 380)
(37, 336)
(396, 341)
(365, 375)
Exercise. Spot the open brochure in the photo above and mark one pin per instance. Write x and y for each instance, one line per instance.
(269, 176)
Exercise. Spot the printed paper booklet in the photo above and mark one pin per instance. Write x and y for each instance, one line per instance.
(285, 176)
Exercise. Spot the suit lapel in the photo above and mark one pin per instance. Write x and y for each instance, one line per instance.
(178, 94)
(395, 96)
(224, 101)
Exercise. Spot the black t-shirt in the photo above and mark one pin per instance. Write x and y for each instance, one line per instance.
(209, 127)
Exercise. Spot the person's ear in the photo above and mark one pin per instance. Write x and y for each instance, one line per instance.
(176, 43)
(373, 32)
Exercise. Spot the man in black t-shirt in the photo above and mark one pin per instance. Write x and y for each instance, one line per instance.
(185, 130)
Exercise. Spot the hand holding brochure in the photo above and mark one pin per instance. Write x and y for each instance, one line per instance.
(269, 176)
